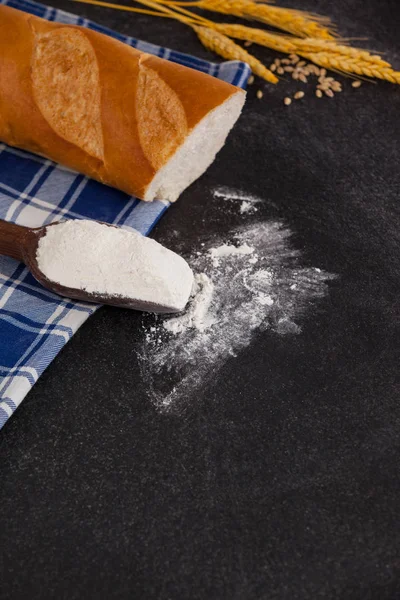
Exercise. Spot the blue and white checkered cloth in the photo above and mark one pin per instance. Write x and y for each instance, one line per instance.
(34, 323)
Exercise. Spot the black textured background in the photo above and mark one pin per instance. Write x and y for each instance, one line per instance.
(282, 480)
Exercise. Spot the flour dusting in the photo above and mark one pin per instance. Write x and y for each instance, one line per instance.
(248, 201)
(251, 282)
(247, 207)
(229, 250)
(198, 315)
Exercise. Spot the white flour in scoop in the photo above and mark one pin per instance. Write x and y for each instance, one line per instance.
(251, 282)
(111, 261)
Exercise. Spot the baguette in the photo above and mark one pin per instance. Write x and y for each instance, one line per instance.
(131, 120)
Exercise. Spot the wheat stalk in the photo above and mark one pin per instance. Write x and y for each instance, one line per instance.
(296, 22)
(216, 37)
(121, 7)
(225, 47)
(346, 64)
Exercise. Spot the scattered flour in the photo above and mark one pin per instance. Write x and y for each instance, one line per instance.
(111, 261)
(249, 283)
(248, 202)
(229, 250)
(247, 207)
(197, 316)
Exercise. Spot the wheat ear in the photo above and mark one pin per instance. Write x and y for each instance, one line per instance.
(296, 22)
(225, 47)
(304, 47)
(317, 45)
(347, 64)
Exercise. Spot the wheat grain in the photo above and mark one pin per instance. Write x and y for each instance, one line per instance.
(314, 70)
(259, 94)
(296, 22)
(299, 95)
(225, 47)
(318, 93)
(356, 84)
(287, 101)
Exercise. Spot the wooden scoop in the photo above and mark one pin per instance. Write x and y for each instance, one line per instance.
(22, 243)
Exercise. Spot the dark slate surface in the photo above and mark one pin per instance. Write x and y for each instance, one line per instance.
(282, 480)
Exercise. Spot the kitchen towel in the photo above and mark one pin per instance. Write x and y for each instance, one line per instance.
(34, 323)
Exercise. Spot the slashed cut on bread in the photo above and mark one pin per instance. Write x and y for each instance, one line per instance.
(128, 119)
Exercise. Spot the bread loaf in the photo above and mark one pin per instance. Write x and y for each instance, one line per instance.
(128, 119)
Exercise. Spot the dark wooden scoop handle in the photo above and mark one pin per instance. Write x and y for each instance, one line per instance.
(13, 239)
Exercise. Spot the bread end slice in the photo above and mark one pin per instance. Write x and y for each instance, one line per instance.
(197, 152)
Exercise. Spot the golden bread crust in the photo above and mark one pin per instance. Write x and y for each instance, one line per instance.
(95, 104)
